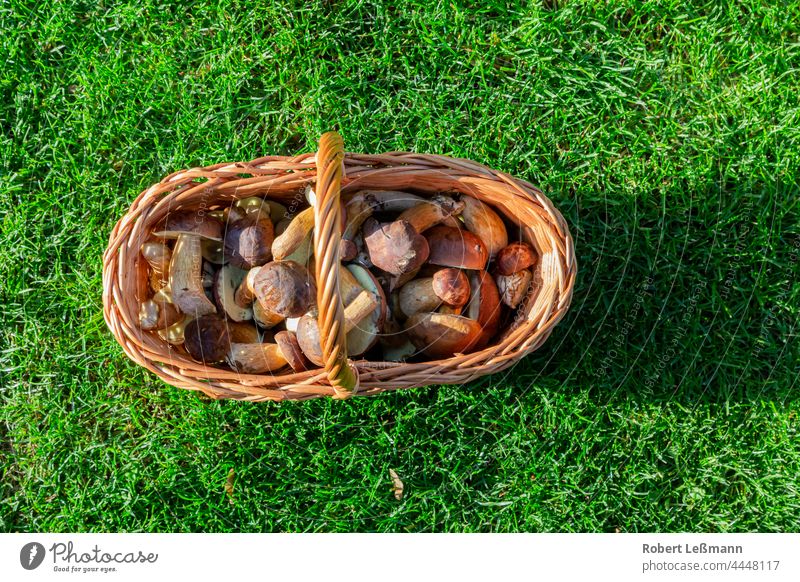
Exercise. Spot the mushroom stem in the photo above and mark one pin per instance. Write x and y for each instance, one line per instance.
(294, 235)
(185, 277)
(364, 304)
(431, 212)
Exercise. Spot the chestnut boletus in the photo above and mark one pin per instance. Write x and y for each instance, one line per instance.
(451, 247)
(285, 288)
(248, 242)
(440, 335)
(396, 247)
(514, 258)
(206, 339)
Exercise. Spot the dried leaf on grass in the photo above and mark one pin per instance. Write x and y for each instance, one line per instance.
(397, 485)
(229, 485)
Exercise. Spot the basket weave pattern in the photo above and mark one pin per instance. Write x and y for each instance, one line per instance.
(332, 172)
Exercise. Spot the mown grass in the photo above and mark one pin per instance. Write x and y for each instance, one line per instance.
(669, 135)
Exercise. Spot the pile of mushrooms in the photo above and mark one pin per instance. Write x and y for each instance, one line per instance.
(234, 286)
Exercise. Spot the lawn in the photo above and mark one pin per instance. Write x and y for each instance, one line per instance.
(667, 133)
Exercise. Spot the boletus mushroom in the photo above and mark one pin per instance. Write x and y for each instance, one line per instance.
(248, 242)
(227, 280)
(514, 258)
(484, 306)
(515, 287)
(440, 335)
(308, 335)
(206, 339)
(158, 255)
(395, 247)
(451, 247)
(186, 264)
(290, 349)
(449, 286)
(255, 358)
(485, 223)
(158, 312)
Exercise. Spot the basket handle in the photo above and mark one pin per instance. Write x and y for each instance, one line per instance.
(327, 236)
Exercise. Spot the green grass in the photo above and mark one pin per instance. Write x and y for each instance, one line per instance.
(667, 133)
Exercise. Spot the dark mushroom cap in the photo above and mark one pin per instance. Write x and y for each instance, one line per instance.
(248, 242)
(285, 288)
(514, 258)
(206, 339)
(451, 286)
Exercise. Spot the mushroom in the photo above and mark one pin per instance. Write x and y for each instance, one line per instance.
(158, 312)
(485, 223)
(264, 318)
(451, 247)
(174, 333)
(449, 286)
(255, 358)
(484, 306)
(274, 210)
(186, 264)
(227, 280)
(398, 247)
(514, 258)
(394, 342)
(206, 339)
(284, 288)
(395, 247)
(308, 336)
(440, 335)
(290, 348)
(158, 256)
(241, 332)
(299, 229)
(362, 205)
(248, 242)
(365, 333)
(431, 212)
(513, 288)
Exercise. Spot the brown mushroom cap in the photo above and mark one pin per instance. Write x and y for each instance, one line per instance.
(189, 222)
(287, 342)
(440, 335)
(514, 258)
(451, 286)
(395, 247)
(248, 242)
(451, 247)
(285, 288)
(206, 339)
(480, 219)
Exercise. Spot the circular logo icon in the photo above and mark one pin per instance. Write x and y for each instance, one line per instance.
(31, 555)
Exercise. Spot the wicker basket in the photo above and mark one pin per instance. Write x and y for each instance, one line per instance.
(332, 172)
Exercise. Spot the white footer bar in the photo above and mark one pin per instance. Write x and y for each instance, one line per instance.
(401, 557)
